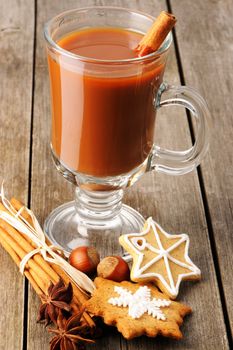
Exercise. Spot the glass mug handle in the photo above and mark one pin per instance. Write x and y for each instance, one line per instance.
(181, 162)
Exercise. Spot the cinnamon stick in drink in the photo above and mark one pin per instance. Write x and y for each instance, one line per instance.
(156, 34)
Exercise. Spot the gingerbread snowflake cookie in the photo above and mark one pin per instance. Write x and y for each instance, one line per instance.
(136, 309)
(160, 257)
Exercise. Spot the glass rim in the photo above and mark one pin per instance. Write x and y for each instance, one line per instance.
(163, 48)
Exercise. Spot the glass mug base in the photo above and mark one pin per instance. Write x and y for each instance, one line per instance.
(97, 216)
(65, 228)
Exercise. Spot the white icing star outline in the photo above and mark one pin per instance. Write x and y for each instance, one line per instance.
(138, 273)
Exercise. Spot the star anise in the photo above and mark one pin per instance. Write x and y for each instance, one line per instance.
(69, 333)
(57, 298)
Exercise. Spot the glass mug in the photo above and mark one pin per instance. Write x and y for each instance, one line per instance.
(103, 119)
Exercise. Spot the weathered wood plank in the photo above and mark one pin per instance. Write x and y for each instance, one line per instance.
(205, 43)
(16, 47)
(174, 202)
(44, 173)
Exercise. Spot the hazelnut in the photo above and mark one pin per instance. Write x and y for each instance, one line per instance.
(113, 268)
(84, 259)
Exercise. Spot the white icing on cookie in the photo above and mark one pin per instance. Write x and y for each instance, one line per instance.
(138, 243)
(140, 302)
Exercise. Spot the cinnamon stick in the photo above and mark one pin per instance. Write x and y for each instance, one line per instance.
(18, 205)
(38, 284)
(33, 283)
(79, 297)
(66, 279)
(17, 260)
(36, 276)
(156, 34)
(27, 247)
(21, 253)
(54, 271)
(42, 283)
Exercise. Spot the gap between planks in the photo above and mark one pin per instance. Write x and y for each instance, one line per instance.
(26, 284)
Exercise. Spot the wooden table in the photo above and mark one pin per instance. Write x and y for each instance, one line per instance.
(200, 203)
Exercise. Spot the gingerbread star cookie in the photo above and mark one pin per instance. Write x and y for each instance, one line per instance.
(160, 257)
(136, 309)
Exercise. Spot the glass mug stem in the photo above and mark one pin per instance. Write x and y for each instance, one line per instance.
(182, 162)
(98, 206)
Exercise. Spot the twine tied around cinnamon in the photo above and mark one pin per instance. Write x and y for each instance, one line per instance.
(37, 236)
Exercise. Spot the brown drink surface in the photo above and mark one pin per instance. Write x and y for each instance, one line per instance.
(103, 123)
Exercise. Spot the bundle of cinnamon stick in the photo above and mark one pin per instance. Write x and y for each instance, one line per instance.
(39, 272)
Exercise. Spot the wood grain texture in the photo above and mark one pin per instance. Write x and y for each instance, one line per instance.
(174, 202)
(44, 174)
(16, 47)
(205, 43)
